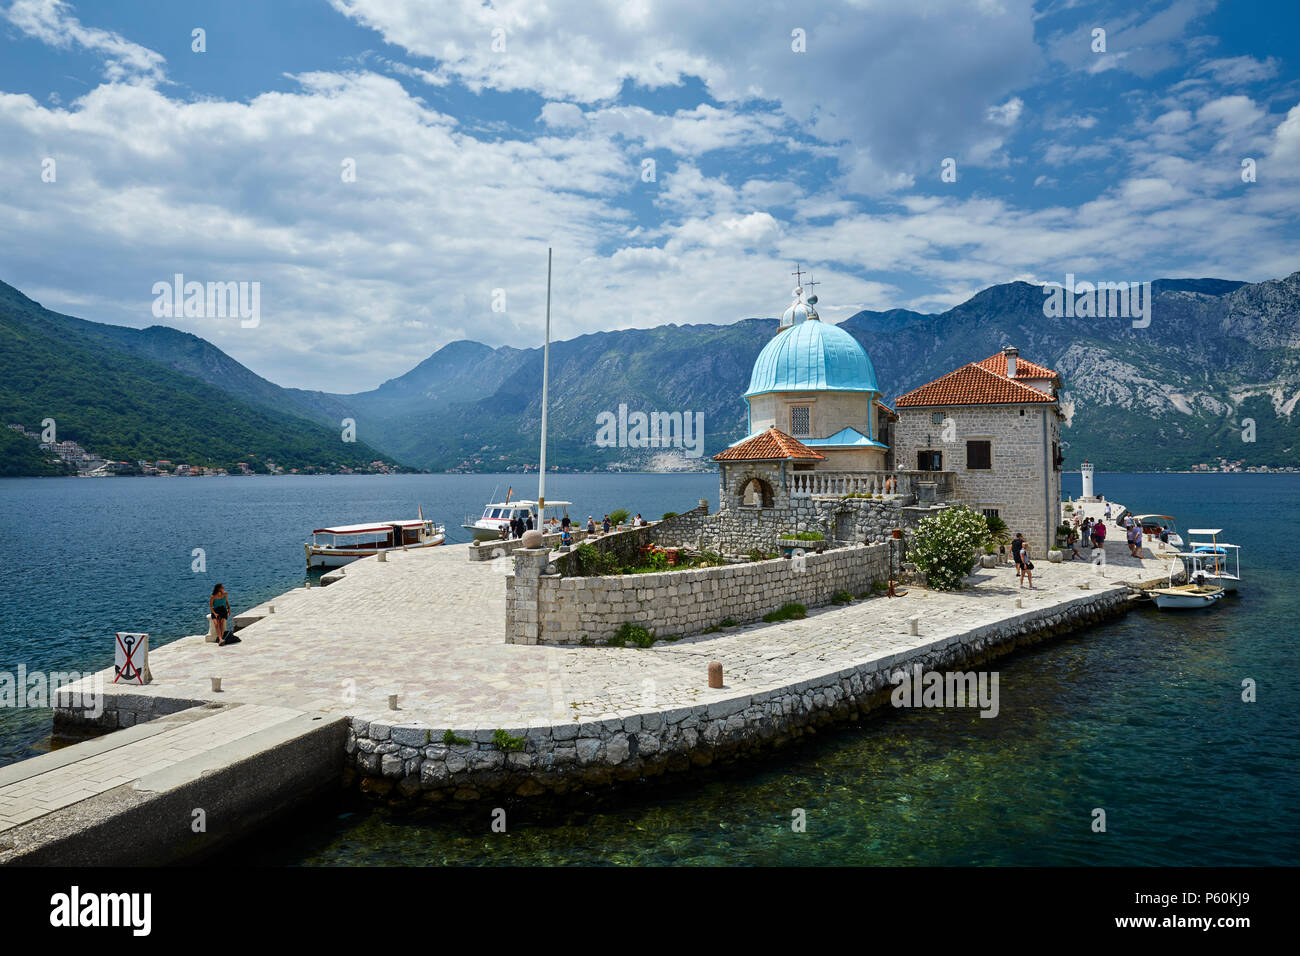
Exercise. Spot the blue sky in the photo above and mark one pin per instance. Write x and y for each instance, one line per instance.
(224, 165)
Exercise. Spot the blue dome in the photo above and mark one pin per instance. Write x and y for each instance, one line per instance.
(812, 356)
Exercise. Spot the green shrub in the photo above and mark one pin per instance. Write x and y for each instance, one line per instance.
(449, 738)
(786, 612)
(757, 554)
(999, 533)
(505, 742)
(588, 560)
(635, 633)
(727, 621)
(841, 597)
(944, 546)
(669, 514)
(619, 516)
(805, 536)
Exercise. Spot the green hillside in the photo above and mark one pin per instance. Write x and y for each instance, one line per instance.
(128, 408)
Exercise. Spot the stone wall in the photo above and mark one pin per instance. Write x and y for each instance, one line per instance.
(578, 610)
(741, 530)
(411, 760)
(1023, 485)
(496, 548)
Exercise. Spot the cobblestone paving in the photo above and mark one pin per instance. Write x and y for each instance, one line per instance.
(429, 626)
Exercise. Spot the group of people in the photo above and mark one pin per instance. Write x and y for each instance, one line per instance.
(1092, 534)
(516, 527)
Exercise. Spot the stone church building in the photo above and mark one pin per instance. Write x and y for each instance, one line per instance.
(824, 452)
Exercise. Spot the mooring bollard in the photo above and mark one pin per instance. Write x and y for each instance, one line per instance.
(392, 702)
(383, 557)
(216, 684)
(914, 624)
(1020, 602)
(715, 673)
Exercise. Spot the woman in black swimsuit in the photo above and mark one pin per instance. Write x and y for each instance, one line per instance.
(219, 604)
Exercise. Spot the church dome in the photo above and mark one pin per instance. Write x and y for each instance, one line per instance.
(812, 356)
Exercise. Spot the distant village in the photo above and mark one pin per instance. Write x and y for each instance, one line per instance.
(1224, 465)
(89, 464)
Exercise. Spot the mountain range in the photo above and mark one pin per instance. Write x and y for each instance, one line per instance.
(1216, 374)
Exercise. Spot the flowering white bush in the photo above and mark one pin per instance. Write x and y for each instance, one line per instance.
(944, 546)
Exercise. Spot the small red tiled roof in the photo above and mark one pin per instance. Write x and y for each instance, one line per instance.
(1024, 368)
(973, 385)
(770, 445)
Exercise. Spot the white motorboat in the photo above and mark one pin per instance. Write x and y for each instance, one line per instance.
(1196, 593)
(1219, 562)
(342, 544)
(499, 514)
(1159, 528)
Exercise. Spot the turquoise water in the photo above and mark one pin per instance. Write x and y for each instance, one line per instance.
(1141, 717)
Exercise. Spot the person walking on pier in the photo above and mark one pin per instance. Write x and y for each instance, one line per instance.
(1135, 540)
(1099, 534)
(219, 605)
(1020, 555)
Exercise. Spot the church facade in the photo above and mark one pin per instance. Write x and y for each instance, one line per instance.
(821, 441)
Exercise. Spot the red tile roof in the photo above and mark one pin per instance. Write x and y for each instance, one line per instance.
(770, 445)
(974, 385)
(1024, 368)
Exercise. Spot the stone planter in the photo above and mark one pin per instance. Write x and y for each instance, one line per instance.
(1054, 556)
(800, 543)
(988, 561)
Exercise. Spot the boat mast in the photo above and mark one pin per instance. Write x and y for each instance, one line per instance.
(546, 372)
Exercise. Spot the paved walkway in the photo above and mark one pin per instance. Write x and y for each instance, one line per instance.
(57, 780)
(429, 626)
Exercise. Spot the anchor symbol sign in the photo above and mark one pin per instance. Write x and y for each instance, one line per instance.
(126, 666)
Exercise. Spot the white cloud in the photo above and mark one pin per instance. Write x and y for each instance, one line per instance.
(52, 22)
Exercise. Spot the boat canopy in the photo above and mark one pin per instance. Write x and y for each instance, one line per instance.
(369, 528)
(1209, 531)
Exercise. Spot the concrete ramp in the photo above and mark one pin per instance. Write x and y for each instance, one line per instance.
(178, 787)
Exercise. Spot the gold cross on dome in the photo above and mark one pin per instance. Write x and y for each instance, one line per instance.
(798, 273)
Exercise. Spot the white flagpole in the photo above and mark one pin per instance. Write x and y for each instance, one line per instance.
(546, 374)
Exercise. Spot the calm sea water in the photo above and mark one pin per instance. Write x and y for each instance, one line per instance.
(1142, 717)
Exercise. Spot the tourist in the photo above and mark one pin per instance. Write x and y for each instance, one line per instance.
(219, 606)
(1087, 531)
(504, 531)
(528, 525)
(1072, 539)
(1135, 541)
(591, 525)
(1020, 554)
(1108, 511)
(1098, 534)
(565, 524)
(638, 522)
(606, 525)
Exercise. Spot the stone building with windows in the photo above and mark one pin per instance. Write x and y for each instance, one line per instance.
(995, 426)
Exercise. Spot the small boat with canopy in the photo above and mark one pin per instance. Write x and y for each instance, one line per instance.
(342, 544)
(1219, 562)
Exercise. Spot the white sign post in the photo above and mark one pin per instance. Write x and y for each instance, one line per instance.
(131, 662)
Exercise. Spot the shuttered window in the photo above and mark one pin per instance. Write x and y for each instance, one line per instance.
(979, 455)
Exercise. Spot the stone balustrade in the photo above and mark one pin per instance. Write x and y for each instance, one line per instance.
(807, 484)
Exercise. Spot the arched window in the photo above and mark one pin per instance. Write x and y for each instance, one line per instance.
(757, 493)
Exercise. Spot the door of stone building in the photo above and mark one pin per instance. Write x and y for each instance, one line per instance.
(844, 526)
